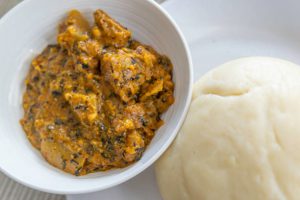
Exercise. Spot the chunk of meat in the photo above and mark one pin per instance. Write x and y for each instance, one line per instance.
(153, 89)
(113, 33)
(75, 18)
(59, 156)
(75, 28)
(88, 52)
(83, 105)
(127, 70)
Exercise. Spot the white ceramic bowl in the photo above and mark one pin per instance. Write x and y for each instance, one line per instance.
(25, 31)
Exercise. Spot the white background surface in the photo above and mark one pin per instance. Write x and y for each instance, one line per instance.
(218, 31)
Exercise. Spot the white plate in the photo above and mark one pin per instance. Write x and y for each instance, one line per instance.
(218, 31)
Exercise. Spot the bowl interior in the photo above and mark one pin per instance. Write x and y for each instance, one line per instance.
(26, 31)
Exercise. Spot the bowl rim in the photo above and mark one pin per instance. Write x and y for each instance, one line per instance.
(158, 153)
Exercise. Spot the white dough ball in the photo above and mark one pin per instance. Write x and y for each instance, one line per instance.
(241, 137)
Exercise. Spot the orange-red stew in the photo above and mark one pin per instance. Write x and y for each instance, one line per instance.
(93, 101)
